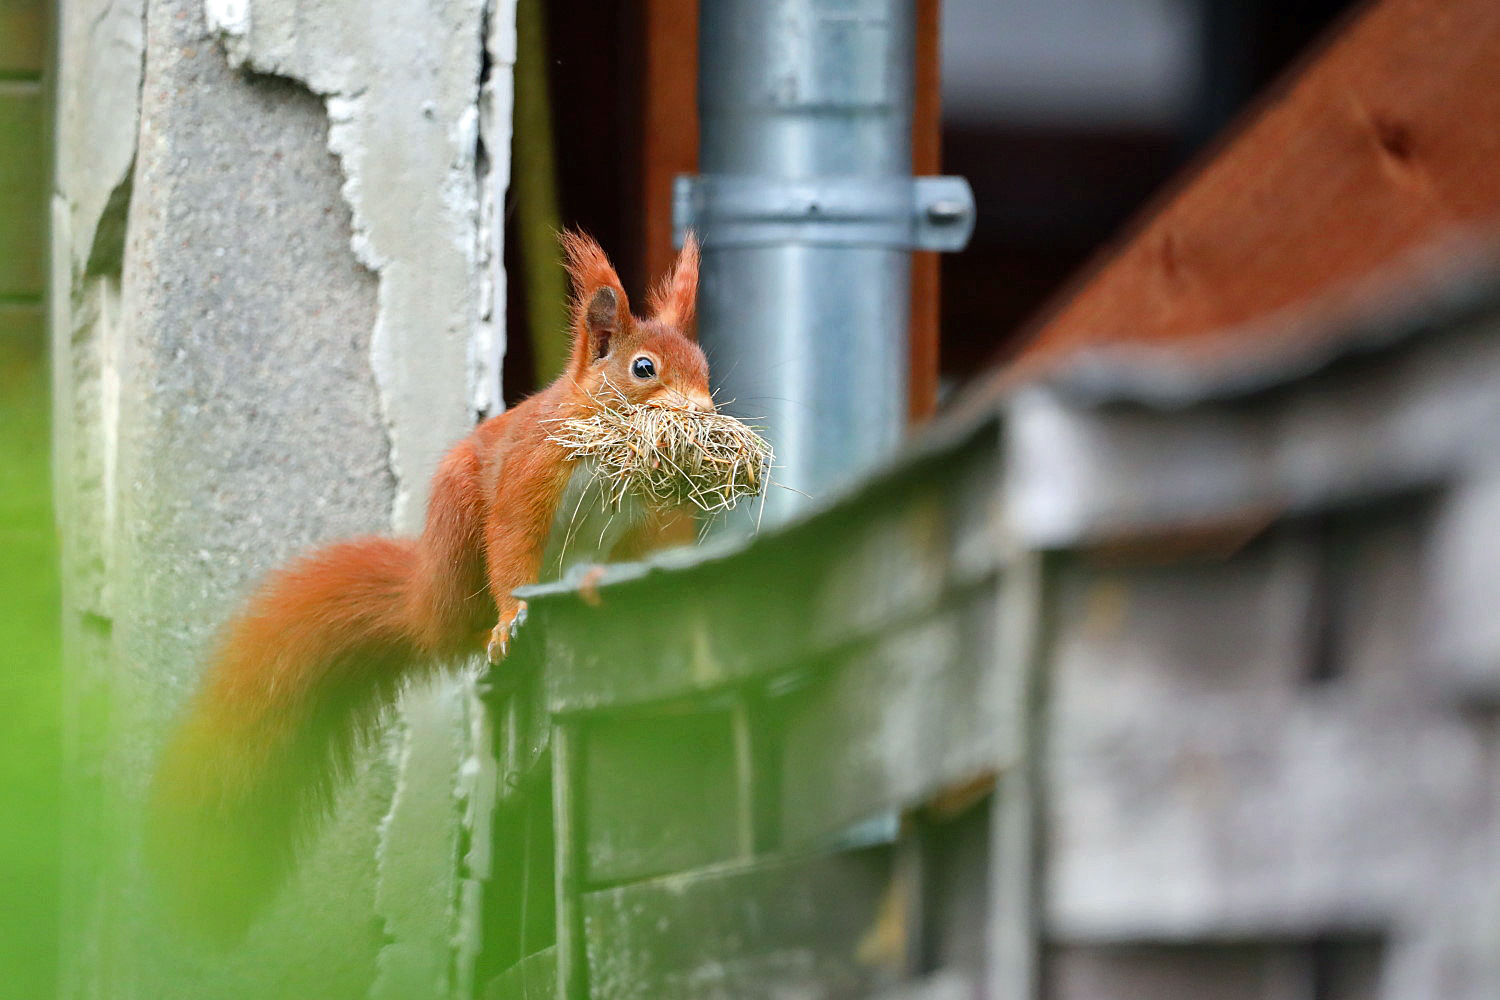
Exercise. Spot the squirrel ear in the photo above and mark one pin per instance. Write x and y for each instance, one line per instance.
(600, 309)
(601, 321)
(673, 300)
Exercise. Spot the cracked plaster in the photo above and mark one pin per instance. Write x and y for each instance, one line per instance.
(407, 109)
(146, 183)
(403, 99)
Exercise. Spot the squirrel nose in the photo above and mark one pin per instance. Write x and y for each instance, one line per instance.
(698, 400)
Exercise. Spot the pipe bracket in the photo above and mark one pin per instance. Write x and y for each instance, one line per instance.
(908, 213)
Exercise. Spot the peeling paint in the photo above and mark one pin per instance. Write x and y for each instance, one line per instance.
(496, 107)
(417, 890)
(230, 18)
(177, 301)
(99, 52)
(98, 113)
(478, 781)
(420, 126)
(404, 109)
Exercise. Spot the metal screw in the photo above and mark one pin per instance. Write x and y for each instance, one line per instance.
(945, 211)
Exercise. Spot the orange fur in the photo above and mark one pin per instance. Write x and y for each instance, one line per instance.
(673, 300)
(325, 643)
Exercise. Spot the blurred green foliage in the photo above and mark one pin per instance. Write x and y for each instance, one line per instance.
(30, 681)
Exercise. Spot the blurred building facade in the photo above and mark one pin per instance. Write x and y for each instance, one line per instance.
(1105, 691)
(1159, 667)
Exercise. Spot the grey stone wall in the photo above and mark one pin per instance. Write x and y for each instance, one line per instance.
(273, 302)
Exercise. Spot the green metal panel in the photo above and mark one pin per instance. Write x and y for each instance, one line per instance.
(659, 794)
(532, 978)
(755, 750)
(892, 724)
(878, 561)
(775, 929)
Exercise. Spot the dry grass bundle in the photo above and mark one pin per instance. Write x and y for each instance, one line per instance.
(667, 454)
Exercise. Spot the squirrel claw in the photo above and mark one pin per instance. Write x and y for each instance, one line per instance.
(497, 648)
(503, 633)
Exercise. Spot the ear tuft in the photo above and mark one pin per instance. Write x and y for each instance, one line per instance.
(587, 265)
(673, 300)
(599, 304)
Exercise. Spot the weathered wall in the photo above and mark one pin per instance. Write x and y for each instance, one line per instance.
(272, 303)
(1270, 734)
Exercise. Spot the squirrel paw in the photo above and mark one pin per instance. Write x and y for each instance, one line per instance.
(503, 632)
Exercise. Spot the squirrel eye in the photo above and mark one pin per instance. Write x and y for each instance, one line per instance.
(643, 368)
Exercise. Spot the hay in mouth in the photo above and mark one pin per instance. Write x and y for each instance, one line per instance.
(667, 455)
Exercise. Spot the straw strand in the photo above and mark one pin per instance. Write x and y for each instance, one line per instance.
(668, 455)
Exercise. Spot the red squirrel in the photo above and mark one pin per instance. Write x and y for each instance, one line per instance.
(325, 642)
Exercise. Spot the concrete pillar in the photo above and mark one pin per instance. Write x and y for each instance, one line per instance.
(274, 306)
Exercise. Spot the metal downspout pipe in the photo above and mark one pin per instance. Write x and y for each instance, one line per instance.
(808, 212)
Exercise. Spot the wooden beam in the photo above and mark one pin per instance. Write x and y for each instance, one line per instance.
(669, 121)
(926, 158)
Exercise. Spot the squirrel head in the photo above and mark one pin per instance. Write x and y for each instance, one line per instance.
(644, 360)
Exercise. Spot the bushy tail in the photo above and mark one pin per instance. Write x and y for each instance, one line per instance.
(297, 678)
